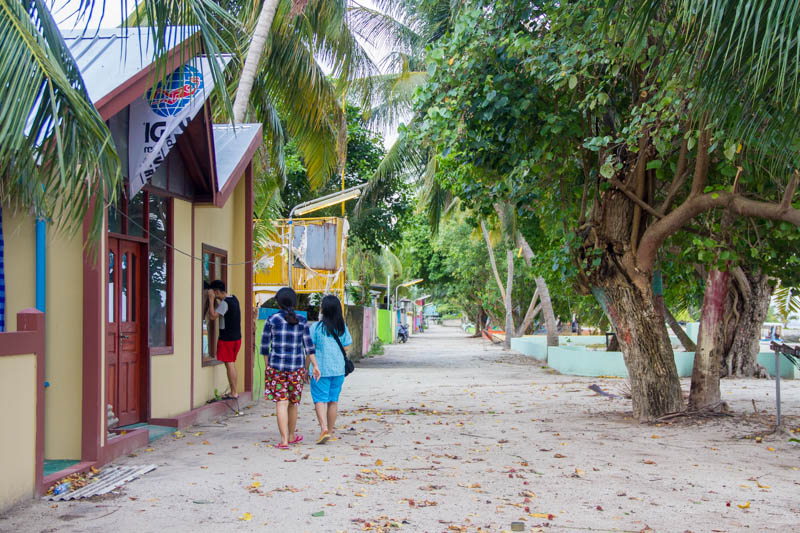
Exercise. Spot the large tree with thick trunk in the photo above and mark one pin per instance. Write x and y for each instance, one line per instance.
(614, 145)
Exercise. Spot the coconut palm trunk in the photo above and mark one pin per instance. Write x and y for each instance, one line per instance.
(254, 52)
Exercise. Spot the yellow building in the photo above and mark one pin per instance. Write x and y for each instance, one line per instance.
(121, 328)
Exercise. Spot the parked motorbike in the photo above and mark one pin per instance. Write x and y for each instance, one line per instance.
(402, 333)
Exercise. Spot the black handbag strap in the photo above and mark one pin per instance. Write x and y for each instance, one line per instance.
(344, 354)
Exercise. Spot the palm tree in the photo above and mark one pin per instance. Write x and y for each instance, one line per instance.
(251, 62)
(282, 84)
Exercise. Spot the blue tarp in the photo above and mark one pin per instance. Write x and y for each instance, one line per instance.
(2, 279)
(265, 312)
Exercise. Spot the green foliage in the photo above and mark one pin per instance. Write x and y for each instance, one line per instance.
(546, 105)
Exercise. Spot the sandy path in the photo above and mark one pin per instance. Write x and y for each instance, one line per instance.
(476, 438)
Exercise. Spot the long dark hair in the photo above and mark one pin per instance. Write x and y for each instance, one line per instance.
(332, 317)
(287, 299)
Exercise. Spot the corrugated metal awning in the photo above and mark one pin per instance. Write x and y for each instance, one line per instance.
(107, 480)
(109, 58)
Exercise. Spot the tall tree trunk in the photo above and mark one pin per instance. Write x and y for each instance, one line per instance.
(509, 311)
(704, 392)
(480, 322)
(530, 314)
(547, 311)
(686, 341)
(544, 293)
(610, 260)
(492, 261)
(253, 58)
(752, 293)
(646, 348)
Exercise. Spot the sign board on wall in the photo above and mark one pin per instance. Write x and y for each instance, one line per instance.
(162, 114)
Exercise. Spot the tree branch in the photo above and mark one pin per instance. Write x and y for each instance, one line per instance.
(744, 284)
(638, 201)
(734, 203)
(791, 188)
(493, 262)
(639, 178)
(679, 179)
(529, 315)
(701, 163)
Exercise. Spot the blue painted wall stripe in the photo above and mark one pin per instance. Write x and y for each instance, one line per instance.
(41, 265)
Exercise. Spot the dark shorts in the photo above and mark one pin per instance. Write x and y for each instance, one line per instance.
(228, 350)
(282, 385)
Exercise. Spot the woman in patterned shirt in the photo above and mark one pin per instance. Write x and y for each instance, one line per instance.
(287, 349)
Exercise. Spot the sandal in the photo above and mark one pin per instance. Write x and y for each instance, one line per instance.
(324, 438)
(282, 446)
(298, 438)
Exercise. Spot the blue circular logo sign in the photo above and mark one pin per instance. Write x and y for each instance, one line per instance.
(169, 98)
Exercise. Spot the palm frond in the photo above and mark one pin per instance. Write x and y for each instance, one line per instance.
(291, 81)
(56, 153)
(732, 51)
(335, 42)
(403, 158)
(392, 265)
(382, 29)
(267, 206)
(394, 94)
(786, 300)
(433, 198)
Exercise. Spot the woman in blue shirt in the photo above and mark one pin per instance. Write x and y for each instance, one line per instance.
(325, 391)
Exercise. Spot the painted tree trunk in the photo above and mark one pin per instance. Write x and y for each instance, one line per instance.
(253, 58)
(750, 304)
(509, 310)
(625, 287)
(547, 311)
(704, 392)
(646, 348)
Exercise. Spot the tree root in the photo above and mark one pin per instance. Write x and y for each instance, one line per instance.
(719, 409)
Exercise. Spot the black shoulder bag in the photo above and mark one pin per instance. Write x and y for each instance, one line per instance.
(348, 364)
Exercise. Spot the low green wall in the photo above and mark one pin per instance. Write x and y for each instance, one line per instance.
(578, 361)
(788, 370)
(384, 326)
(535, 347)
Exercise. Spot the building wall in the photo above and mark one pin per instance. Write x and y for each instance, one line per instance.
(170, 374)
(18, 438)
(63, 322)
(354, 317)
(19, 233)
(64, 346)
(222, 228)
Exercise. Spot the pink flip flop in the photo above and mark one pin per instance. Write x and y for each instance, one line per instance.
(298, 438)
(282, 446)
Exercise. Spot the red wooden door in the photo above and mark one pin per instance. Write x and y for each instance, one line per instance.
(124, 330)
